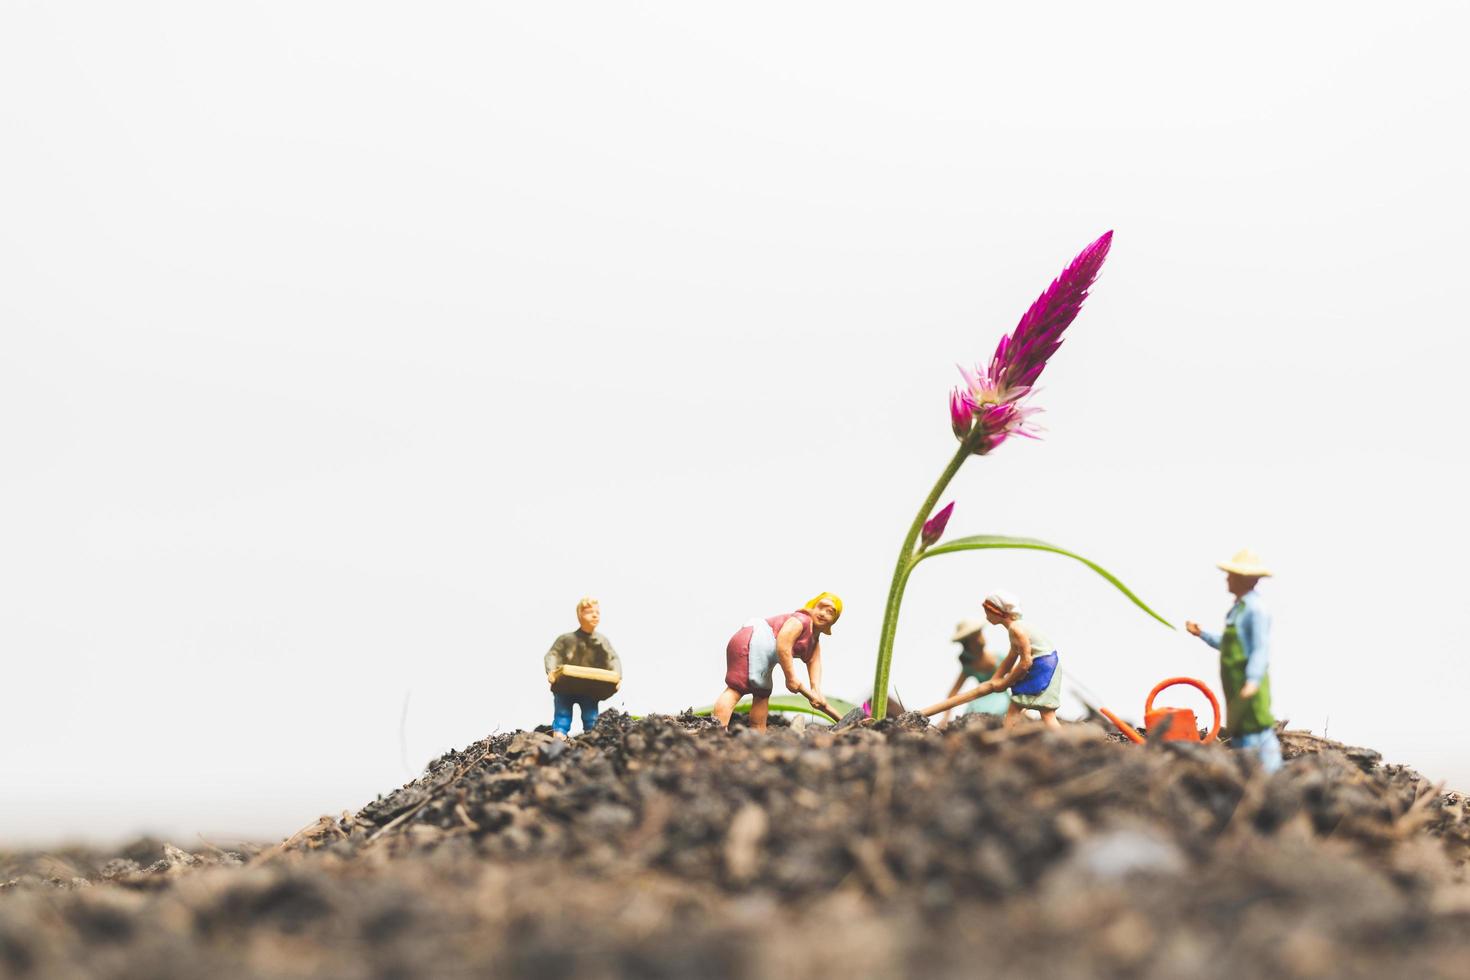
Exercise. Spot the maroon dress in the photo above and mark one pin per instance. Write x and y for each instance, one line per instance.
(750, 656)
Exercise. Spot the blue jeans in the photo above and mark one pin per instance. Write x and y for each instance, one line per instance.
(1265, 745)
(562, 720)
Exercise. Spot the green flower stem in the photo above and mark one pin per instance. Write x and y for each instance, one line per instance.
(906, 561)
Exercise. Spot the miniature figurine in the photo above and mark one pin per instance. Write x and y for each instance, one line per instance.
(979, 663)
(753, 652)
(1033, 678)
(1244, 654)
(582, 668)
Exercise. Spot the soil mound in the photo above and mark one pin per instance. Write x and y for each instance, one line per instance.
(668, 847)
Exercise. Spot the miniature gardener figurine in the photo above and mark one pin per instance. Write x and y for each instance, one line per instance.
(979, 663)
(583, 647)
(1030, 672)
(753, 652)
(1244, 651)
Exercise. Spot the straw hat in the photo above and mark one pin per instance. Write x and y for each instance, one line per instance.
(967, 627)
(1245, 562)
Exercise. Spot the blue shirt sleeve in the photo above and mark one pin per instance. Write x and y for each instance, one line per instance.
(1255, 635)
(1213, 639)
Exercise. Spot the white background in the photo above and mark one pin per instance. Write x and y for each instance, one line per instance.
(345, 345)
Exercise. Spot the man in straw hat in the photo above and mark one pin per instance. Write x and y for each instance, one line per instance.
(979, 663)
(1244, 651)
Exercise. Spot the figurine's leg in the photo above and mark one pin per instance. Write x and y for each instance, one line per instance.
(1270, 750)
(1049, 718)
(561, 719)
(589, 713)
(1265, 745)
(725, 706)
(1013, 714)
(760, 706)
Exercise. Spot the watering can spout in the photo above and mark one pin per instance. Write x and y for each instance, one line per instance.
(1122, 726)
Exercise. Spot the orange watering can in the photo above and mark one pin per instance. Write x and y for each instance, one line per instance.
(1170, 724)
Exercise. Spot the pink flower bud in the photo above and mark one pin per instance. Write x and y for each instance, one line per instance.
(934, 526)
(961, 412)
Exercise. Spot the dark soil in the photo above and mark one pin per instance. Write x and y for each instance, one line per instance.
(665, 847)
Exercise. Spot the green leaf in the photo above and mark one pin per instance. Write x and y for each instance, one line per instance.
(980, 542)
(788, 703)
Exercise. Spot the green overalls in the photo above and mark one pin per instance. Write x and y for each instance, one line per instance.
(1243, 716)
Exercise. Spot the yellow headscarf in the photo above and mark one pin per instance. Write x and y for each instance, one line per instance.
(836, 602)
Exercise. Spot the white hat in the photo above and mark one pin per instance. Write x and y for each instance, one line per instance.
(1004, 602)
(1245, 562)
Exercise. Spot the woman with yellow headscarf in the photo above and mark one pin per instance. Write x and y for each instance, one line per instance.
(753, 652)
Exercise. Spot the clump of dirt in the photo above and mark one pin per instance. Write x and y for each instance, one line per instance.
(669, 847)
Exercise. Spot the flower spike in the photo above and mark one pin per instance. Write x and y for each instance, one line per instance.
(1020, 357)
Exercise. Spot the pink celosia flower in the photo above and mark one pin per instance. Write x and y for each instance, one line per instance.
(934, 526)
(986, 416)
(987, 409)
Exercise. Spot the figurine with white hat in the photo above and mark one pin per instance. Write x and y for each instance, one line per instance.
(1244, 647)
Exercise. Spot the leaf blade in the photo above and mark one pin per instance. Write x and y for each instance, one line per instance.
(980, 542)
(788, 704)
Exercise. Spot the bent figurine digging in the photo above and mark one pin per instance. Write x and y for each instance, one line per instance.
(753, 652)
(1030, 672)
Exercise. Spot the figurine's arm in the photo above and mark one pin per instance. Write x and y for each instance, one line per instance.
(554, 656)
(614, 663)
(954, 689)
(1019, 659)
(998, 681)
(814, 671)
(1213, 639)
(785, 641)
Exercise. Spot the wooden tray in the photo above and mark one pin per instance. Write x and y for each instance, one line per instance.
(582, 682)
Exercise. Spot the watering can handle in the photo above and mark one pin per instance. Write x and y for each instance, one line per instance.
(1191, 682)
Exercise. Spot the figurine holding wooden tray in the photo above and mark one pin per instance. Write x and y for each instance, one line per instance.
(585, 682)
(582, 669)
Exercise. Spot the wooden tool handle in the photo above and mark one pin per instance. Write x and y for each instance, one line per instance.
(955, 702)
